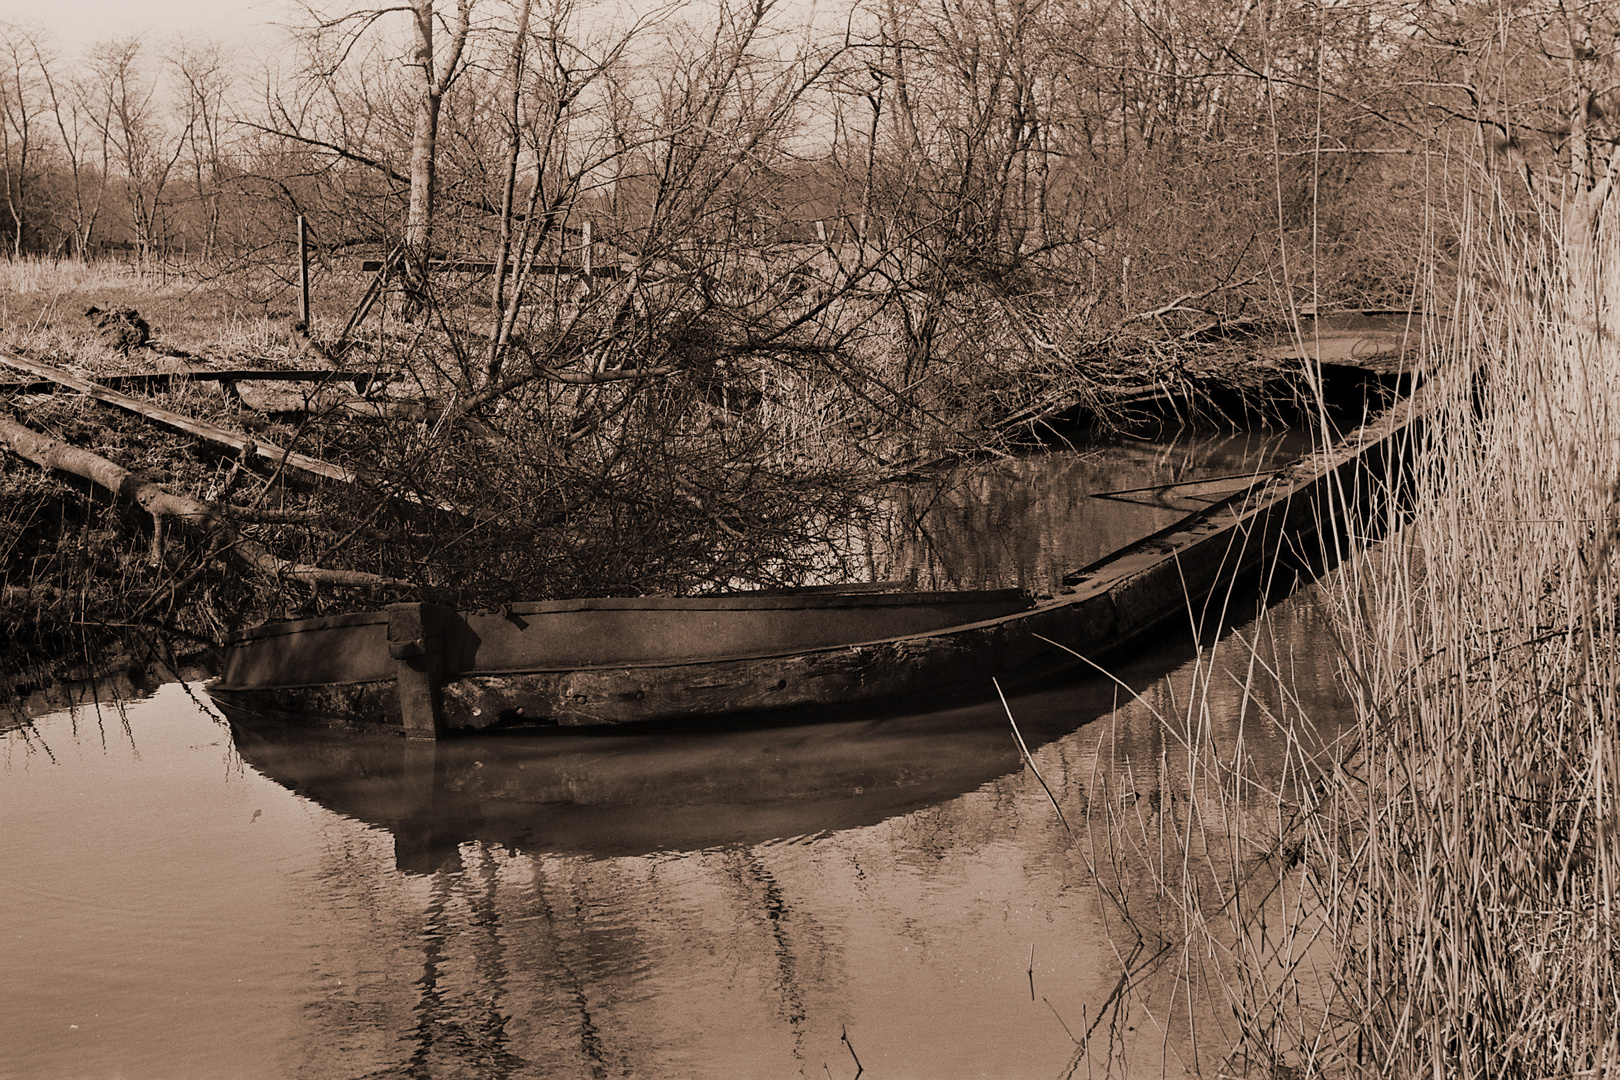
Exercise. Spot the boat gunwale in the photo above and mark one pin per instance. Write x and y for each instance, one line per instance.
(718, 602)
(1096, 582)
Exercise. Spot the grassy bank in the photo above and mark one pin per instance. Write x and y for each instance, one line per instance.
(1431, 889)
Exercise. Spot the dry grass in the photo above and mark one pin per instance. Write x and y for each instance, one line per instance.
(32, 277)
(1471, 835)
(42, 304)
(1432, 890)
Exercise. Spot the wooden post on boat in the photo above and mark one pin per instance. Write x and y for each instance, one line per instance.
(416, 644)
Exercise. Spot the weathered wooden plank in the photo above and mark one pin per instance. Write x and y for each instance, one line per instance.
(1375, 350)
(162, 380)
(565, 635)
(414, 646)
(238, 441)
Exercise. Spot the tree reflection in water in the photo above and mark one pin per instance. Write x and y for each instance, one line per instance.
(660, 903)
(1025, 522)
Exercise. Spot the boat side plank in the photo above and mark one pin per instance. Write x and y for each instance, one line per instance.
(1185, 572)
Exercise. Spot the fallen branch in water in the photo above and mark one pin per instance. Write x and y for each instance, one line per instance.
(158, 501)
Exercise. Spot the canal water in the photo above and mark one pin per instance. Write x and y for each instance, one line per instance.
(184, 897)
(1024, 522)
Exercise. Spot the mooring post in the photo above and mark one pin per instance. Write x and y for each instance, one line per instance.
(416, 643)
(303, 274)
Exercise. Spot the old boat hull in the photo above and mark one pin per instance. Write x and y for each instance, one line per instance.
(351, 666)
(574, 664)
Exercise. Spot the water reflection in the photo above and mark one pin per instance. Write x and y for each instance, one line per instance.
(1025, 522)
(200, 898)
(46, 689)
(189, 896)
(111, 691)
(625, 794)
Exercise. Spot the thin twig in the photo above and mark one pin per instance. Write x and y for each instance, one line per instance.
(859, 1069)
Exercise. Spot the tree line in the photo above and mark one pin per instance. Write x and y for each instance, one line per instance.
(1083, 147)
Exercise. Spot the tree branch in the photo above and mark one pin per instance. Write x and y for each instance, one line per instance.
(158, 501)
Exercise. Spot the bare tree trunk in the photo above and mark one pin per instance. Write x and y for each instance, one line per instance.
(70, 106)
(514, 131)
(424, 134)
(207, 87)
(434, 79)
(19, 105)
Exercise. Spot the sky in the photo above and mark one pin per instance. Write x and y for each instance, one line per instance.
(77, 24)
(254, 26)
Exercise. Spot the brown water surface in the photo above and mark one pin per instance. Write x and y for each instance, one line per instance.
(186, 898)
(1024, 522)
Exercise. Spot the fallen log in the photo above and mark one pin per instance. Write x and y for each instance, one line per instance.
(161, 503)
(239, 441)
(202, 429)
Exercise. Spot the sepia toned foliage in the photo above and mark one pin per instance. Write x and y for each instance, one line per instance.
(664, 293)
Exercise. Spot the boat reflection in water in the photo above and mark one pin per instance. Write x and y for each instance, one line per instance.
(629, 793)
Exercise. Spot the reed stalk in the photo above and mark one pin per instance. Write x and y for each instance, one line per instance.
(1431, 889)
(1471, 823)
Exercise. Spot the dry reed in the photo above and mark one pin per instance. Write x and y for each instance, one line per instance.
(1467, 840)
(1430, 889)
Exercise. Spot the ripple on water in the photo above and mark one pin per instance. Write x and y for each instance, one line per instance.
(187, 899)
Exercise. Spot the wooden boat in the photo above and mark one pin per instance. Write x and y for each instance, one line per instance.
(832, 652)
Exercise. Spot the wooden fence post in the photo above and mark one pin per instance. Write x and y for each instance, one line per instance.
(303, 274)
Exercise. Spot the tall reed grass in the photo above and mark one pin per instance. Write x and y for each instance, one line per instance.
(1432, 888)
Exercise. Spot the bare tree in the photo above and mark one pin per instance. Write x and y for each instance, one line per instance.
(968, 97)
(82, 122)
(512, 121)
(23, 105)
(129, 120)
(436, 69)
(436, 61)
(202, 75)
